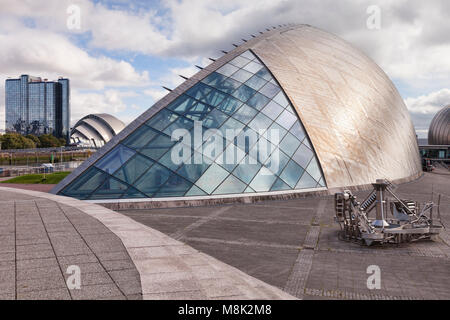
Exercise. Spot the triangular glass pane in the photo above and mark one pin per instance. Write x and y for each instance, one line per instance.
(245, 114)
(314, 170)
(228, 86)
(110, 189)
(239, 61)
(249, 190)
(260, 123)
(305, 182)
(262, 149)
(280, 98)
(212, 178)
(248, 54)
(289, 144)
(303, 156)
(244, 93)
(162, 119)
(141, 137)
(232, 156)
(195, 168)
(227, 70)
(175, 186)
(253, 67)
(263, 181)
(85, 184)
(277, 161)
(307, 143)
(280, 185)
(157, 147)
(182, 104)
(173, 159)
(215, 119)
(286, 119)
(276, 128)
(214, 98)
(247, 169)
(114, 159)
(230, 185)
(132, 193)
(256, 82)
(241, 76)
(321, 183)
(199, 91)
(270, 90)
(273, 110)
(231, 129)
(292, 173)
(298, 131)
(265, 74)
(258, 101)
(214, 79)
(180, 123)
(133, 169)
(229, 105)
(198, 111)
(152, 180)
(195, 191)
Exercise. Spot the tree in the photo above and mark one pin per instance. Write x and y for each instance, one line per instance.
(49, 141)
(16, 141)
(34, 139)
(62, 142)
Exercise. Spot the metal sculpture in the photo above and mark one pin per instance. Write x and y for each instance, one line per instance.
(409, 222)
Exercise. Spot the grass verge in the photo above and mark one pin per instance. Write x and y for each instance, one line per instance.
(50, 178)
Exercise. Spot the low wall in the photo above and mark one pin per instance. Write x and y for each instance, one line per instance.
(153, 203)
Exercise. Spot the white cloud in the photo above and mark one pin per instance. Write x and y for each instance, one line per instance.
(155, 94)
(412, 46)
(424, 108)
(111, 101)
(49, 55)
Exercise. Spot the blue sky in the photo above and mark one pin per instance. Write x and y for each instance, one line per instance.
(124, 51)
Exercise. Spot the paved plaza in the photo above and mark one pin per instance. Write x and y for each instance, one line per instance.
(43, 235)
(40, 239)
(269, 250)
(294, 246)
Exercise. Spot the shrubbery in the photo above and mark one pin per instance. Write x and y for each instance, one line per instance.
(18, 141)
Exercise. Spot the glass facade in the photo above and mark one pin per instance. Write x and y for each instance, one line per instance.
(234, 132)
(37, 107)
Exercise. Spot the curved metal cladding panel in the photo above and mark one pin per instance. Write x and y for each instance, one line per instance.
(353, 114)
(439, 132)
(87, 131)
(100, 127)
(115, 124)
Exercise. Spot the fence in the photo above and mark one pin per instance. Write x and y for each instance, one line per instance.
(20, 171)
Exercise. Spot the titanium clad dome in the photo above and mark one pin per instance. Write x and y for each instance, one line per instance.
(96, 129)
(340, 121)
(439, 132)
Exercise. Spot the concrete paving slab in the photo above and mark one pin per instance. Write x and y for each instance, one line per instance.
(157, 266)
(266, 240)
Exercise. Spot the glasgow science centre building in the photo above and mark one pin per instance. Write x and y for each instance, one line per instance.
(292, 111)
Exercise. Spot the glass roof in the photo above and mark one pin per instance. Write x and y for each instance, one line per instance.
(234, 132)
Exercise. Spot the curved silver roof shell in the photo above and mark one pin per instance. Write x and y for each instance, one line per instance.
(99, 127)
(354, 116)
(439, 132)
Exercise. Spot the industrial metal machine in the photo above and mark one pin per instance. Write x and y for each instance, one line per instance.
(408, 221)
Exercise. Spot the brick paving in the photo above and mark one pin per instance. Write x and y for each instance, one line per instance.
(294, 245)
(40, 239)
